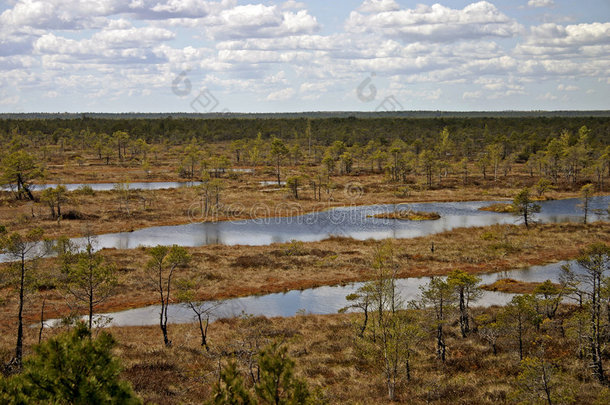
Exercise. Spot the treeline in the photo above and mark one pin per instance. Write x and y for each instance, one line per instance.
(317, 114)
(533, 131)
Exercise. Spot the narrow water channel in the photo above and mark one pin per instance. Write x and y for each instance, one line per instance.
(323, 300)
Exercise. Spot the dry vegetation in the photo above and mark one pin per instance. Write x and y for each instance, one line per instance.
(322, 346)
(499, 207)
(325, 354)
(241, 197)
(230, 271)
(509, 285)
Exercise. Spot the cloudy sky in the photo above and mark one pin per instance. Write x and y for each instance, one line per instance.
(267, 56)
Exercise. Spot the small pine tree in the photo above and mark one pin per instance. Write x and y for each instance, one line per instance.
(278, 385)
(70, 368)
(524, 206)
(230, 389)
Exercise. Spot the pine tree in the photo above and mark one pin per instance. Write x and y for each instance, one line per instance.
(71, 368)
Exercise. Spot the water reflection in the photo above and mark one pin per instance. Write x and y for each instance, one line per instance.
(328, 299)
(355, 222)
(155, 185)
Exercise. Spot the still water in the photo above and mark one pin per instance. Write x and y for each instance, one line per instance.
(354, 222)
(323, 300)
(153, 185)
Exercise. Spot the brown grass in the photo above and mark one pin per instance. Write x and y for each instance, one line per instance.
(324, 350)
(231, 271)
(509, 285)
(241, 199)
(500, 207)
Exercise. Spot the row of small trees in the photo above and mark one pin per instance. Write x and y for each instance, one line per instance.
(567, 158)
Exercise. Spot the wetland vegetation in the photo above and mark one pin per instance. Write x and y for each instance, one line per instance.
(258, 206)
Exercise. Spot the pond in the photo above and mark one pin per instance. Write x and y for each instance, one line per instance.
(354, 222)
(153, 185)
(324, 300)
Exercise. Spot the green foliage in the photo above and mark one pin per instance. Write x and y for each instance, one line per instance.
(466, 288)
(19, 169)
(72, 368)
(519, 315)
(586, 192)
(536, 382)
(549, 297)
(295, 248)
(88, 278)
(55, 197)
(162, 264)
(524, 206)
(292, 184)
(230, 389)
(277, 384)
(544, 185)
(85, 189)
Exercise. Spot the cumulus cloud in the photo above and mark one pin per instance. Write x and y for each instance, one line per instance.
(377, 6)
(468, 95)
(281, 95)
(540, 3)
(579, 49)
(555, 35)
(113, 39)
(292, 4)
(259, 21)
(563, 87)
(79, 14)
(547, 97)
(275, 51)
(436, 23)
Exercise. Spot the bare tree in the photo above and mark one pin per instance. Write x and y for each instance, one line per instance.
(163, 262)
(23, 251)
(202, 309)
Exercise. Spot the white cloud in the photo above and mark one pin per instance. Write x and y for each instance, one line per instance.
(78, 14)
(292, 4)
(554, 39)
(281, 95)
(106, 44)
(259, 21)
(540, 3)
(563, 87)
(275, 51)
(547, 97)
(470, 95)
(436, 23)
(377, 6)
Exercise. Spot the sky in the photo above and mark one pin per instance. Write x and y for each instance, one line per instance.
(321, 55)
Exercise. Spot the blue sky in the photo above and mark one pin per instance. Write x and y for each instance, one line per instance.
(272, 56)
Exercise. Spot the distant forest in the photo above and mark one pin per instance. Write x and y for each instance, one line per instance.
(524, 134)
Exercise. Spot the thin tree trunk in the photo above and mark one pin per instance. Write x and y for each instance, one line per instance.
(44, 300)
(19, 345)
